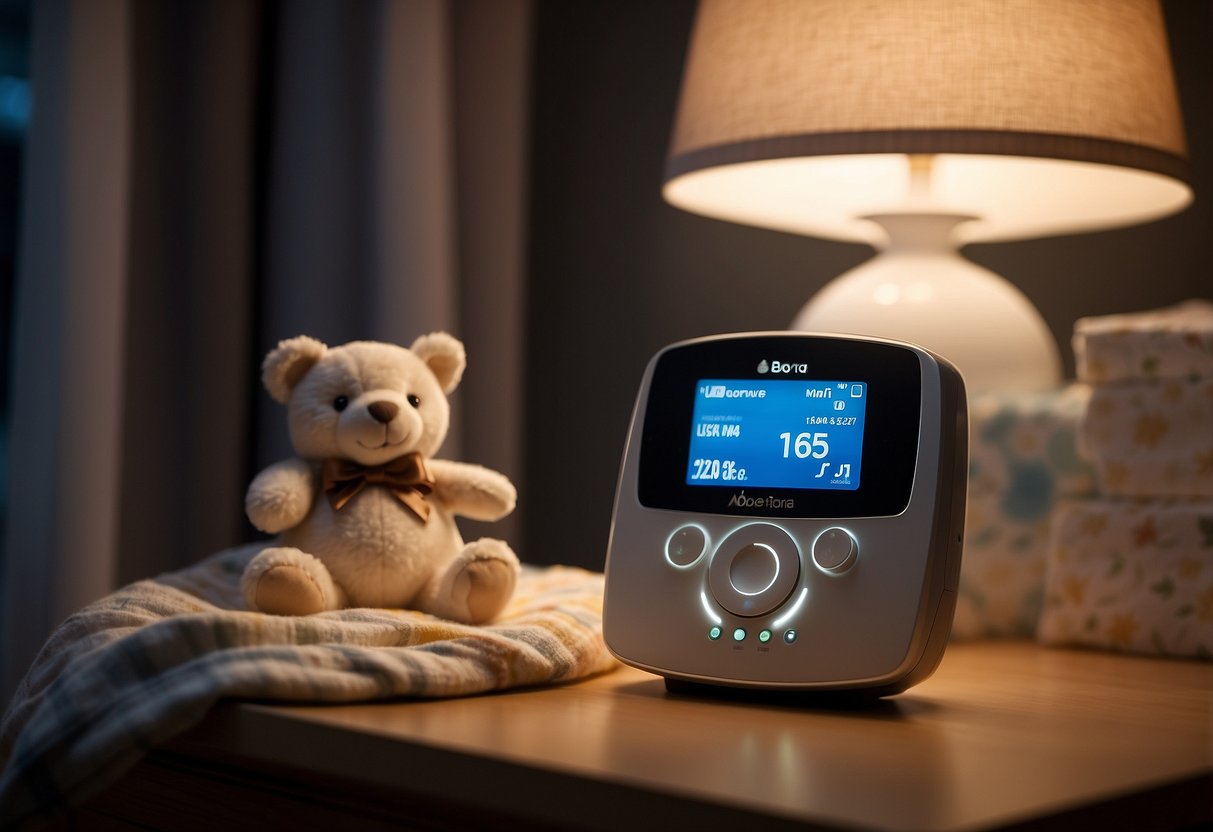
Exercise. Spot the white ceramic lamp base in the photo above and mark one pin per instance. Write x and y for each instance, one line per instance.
(919, 289)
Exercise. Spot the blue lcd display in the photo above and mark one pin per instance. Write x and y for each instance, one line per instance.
(777, 434)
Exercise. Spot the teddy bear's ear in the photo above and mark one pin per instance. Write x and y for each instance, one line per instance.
(289, 362)
(444, 355)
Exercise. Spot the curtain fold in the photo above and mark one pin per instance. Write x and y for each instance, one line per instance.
(190, 273)
(202, 180)
(61, 527)
(360, 238)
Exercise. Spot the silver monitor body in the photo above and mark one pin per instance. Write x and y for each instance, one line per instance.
(789, 514)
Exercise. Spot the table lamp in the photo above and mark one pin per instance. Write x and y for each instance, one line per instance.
(919, 126)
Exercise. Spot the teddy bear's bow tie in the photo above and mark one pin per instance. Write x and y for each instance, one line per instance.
(406, 477)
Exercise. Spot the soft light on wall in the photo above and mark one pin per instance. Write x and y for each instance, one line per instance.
(919, 126)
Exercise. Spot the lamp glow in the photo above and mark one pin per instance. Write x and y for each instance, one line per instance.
(919, 126)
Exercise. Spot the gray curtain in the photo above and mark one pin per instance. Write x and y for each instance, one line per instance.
(202, 180)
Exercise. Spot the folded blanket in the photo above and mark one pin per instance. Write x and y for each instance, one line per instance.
(147, 662)
(1151, 438)
(1131, 575)
(1022, 458)
(1176, 342)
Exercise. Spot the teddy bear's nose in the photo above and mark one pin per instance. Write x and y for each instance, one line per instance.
(383, 411)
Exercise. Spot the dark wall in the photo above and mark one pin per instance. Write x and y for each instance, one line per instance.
(615, 273)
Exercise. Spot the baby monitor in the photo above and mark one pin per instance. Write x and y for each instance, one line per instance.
(789, 514)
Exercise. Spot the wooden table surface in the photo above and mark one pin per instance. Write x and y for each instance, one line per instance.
(1004, 734)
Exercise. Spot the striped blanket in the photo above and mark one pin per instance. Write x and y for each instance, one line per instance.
(148, 661)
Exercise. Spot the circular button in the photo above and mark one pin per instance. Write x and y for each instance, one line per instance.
(764, 636)
(834, 550)
(739, 634)
(714, 633)
(789, 636)
(754, 569)
(686, 545)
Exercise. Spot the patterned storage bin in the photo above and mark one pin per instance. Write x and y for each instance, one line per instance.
(1132, 576)
(1175, 342)
(1151, 438)
(1023, 458)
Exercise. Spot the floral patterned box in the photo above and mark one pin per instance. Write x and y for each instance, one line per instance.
(1175, 342)
(1131, 575)
(1022, 460)
(1151, 438)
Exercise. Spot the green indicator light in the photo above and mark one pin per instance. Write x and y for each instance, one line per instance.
(714, 633)
(764, 636)
(739, 634)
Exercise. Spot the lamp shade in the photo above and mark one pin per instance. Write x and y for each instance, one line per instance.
(1039, 116)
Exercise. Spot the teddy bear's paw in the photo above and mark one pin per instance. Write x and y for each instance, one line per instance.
(288, 590)
(478, 584)
(286, 581)
(490, 586)
(280, 496)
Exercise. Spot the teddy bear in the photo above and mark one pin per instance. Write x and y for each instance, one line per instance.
(364, 514)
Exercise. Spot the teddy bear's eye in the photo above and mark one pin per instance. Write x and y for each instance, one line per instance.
(341, 403)
(414, 400)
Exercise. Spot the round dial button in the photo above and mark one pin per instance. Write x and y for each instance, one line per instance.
(754, 569)
(834, 550)
(686, 545)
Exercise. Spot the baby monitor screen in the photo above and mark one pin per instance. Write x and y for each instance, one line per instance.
(781, 427)
(777, 433)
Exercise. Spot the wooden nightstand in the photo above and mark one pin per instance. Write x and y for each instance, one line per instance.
(1004, 735)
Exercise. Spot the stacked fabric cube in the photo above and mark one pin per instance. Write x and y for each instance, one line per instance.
(1023, 459)
(1132, 568)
